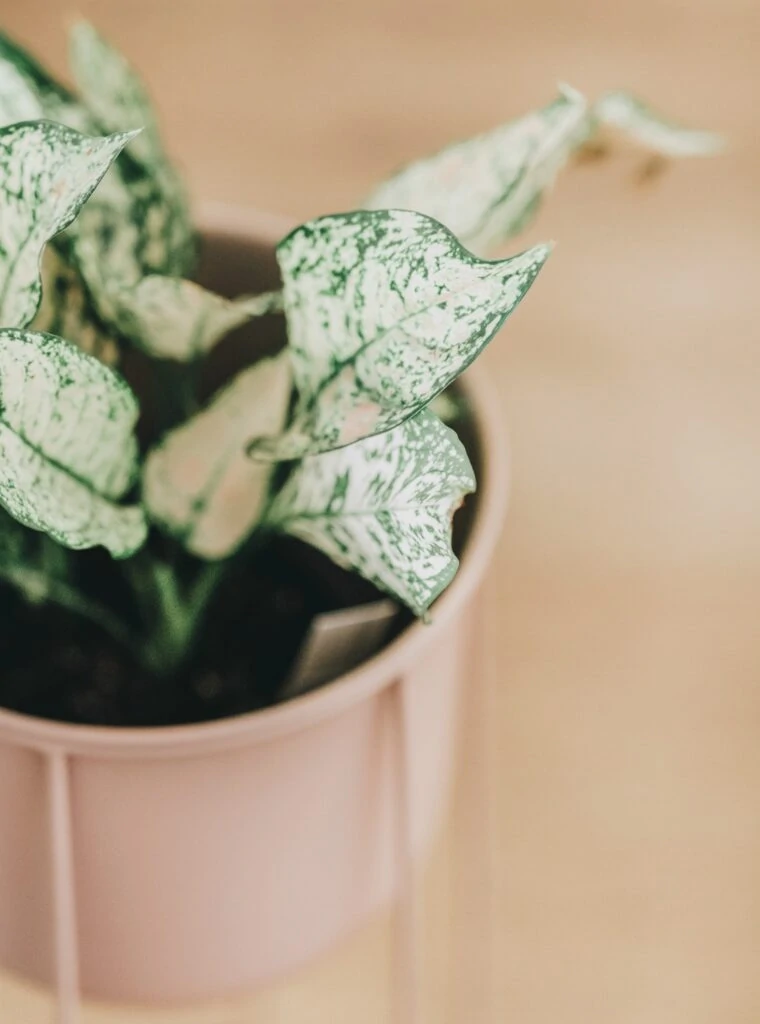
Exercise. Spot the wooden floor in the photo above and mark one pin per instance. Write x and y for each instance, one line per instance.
(622, 640)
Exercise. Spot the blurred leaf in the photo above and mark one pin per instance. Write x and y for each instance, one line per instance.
(198, 483)
(171, 318)
(633, 117)
(118, 100)
(486, 188)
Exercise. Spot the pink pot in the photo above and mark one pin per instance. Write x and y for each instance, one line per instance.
(176, 864)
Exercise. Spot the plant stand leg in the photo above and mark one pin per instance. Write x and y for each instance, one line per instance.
(64, 896)
(472, 968)
(406, 932)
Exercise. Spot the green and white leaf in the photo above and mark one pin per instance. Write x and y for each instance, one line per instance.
(65, 310)
(112, 91)
(198, 483)
(383, 507)
(28, 93)
(18, 100)
(137, 223)
(485, 189)
(47, 173)
(67, 447)
(172, 318)
(625, 112)
(385, 309)
(117, 99)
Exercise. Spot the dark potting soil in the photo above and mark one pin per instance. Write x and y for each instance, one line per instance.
(57, 666)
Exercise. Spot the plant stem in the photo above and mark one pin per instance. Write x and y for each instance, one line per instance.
(171, 615)
(38, 588)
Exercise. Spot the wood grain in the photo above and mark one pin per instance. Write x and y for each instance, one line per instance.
(622, 647)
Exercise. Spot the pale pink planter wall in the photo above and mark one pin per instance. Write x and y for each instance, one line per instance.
(210, 858)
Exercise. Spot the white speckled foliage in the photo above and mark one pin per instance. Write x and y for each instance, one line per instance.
(47, 172)
(112, 92)
(172, 318)
(117, 100)
(67, 449)
(138, 221)
(486, 188)
(17, 101)
(633, 117)
(383, 507)
(28, 92)
(198, 483)
(384, 310)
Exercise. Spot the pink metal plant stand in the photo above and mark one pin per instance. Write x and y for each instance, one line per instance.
(60, 819)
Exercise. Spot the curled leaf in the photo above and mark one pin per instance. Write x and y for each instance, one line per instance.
(383, 507)
(198, 483)
(384, 310)
(172, 318)
(623, 111)
(47, 172)
(486, 188)
(67, 447)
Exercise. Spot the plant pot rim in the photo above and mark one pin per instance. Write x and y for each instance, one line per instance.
(371, 676)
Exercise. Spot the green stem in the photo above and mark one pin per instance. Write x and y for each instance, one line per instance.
(171, 616)
(39, 588)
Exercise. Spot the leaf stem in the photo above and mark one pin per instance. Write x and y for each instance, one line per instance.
(171, 614)
(38, 588)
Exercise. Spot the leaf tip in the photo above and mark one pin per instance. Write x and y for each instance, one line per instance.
(571, 94)
(541, 252)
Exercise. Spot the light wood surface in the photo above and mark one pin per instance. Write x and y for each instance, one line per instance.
(622, 644)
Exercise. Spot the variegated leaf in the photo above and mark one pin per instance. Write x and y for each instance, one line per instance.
(29, 90)
(117, 99)
(383, 507)
(65, 310)
(632, 116)
(112, 91)
(198, 483)
(47, 172)
(171, 318)
(18, 100)
(67, 448)
(384, 310)
(485, 189)
(138, 221)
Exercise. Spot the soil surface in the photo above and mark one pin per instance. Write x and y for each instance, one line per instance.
(57, 666)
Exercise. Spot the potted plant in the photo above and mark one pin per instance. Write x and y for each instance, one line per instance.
(179, 818)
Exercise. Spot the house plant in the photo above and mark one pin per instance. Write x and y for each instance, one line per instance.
(384, 308)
